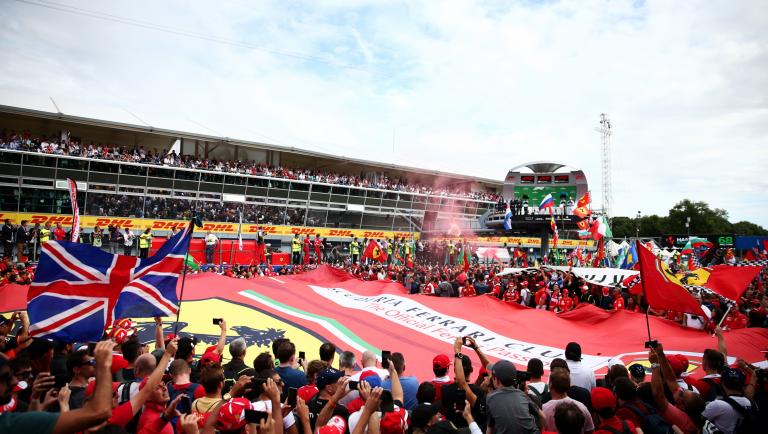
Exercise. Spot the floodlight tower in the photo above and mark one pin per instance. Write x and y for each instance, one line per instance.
(605, 131)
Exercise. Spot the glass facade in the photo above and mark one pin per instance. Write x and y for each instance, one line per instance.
(29, 184)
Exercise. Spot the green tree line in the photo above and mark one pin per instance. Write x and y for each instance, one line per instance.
(704, 220)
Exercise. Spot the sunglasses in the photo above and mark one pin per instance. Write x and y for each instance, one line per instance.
(91, 362)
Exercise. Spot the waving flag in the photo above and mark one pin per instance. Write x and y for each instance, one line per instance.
(79, 289)
(508, 219)
(374, 251)
(582, 212)
(662, 289)
(75, 211)
(631, 259)
(584, 201)
(696, 245)
(553, 226)
(601, 229)
(547, 202)
(240, 230)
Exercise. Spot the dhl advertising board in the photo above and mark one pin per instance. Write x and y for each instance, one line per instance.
(88, 222)
(523, 241)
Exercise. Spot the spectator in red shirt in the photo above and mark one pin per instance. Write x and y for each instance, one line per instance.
(604, 405)
(59, 233)
(468, 290)
(309, 390)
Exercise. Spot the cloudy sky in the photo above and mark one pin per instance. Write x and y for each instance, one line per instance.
(472, 87)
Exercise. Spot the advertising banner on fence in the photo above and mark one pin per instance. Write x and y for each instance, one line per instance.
(249, 229)
(330, 305)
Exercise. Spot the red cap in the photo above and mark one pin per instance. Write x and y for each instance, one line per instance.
(91, 387)
(124, 323)
(441, 361)
(676, 364)
(334, 426)
(231, 415)
(118, 363)
(603, 398)
(210, 357)
(606, 290)
(119, 335)
(394, 422)
(169, 337)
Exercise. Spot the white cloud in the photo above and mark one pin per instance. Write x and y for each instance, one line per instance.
(468, 87)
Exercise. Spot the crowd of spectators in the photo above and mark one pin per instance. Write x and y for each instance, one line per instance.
(70, 146)
(123, 385)
(101, 204)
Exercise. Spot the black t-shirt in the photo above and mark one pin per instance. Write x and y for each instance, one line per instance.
(77, 398)
(316, 405)
(448, 394)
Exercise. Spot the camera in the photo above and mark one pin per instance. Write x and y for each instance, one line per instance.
(522, 376)
(651, 344)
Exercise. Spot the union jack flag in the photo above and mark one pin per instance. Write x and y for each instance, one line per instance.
(78, 289)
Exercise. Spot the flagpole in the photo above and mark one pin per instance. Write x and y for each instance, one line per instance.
(730, 305)
(642, 282)
(184, 275)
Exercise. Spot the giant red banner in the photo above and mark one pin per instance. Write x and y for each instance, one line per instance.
(330, 304)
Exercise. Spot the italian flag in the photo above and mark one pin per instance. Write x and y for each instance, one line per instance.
(190, 262)
(600, 229)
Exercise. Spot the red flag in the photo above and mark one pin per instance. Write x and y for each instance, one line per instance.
(750, 255)
(662, 289)
(730, 281)
(584, 201)
(583, 225)
(373, 250)
(600, 255)
(581, 212)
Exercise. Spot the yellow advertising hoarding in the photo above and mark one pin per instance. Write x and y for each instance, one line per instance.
(88, 222)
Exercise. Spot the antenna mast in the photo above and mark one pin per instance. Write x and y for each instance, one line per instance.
(605, 131)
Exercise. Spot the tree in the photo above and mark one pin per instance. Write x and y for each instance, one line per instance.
(704, 221)
(748, 228)
(623, 227)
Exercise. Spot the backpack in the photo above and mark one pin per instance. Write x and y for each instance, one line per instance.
(650, 422)
(536, 392)
(624, 428)
(125, 396)
(715, 390)
(750, 421)
(184, 408)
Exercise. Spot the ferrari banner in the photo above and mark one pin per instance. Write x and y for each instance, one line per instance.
(330, 305)
(598, 276)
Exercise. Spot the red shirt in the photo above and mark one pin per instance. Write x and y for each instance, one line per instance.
(468, 291)
(150, 421)
(59, 233)
(541, 297)
(618, 303)
(616, 424)
(566, 303)
(122, 414)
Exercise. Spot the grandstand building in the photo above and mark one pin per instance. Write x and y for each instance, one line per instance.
(124, 171)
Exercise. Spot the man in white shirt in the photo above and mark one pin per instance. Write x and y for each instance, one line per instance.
(128, 237)
(210, 245)
(580, 376)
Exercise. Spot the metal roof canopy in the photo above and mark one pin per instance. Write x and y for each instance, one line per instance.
(19, 111)
(540, 166)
